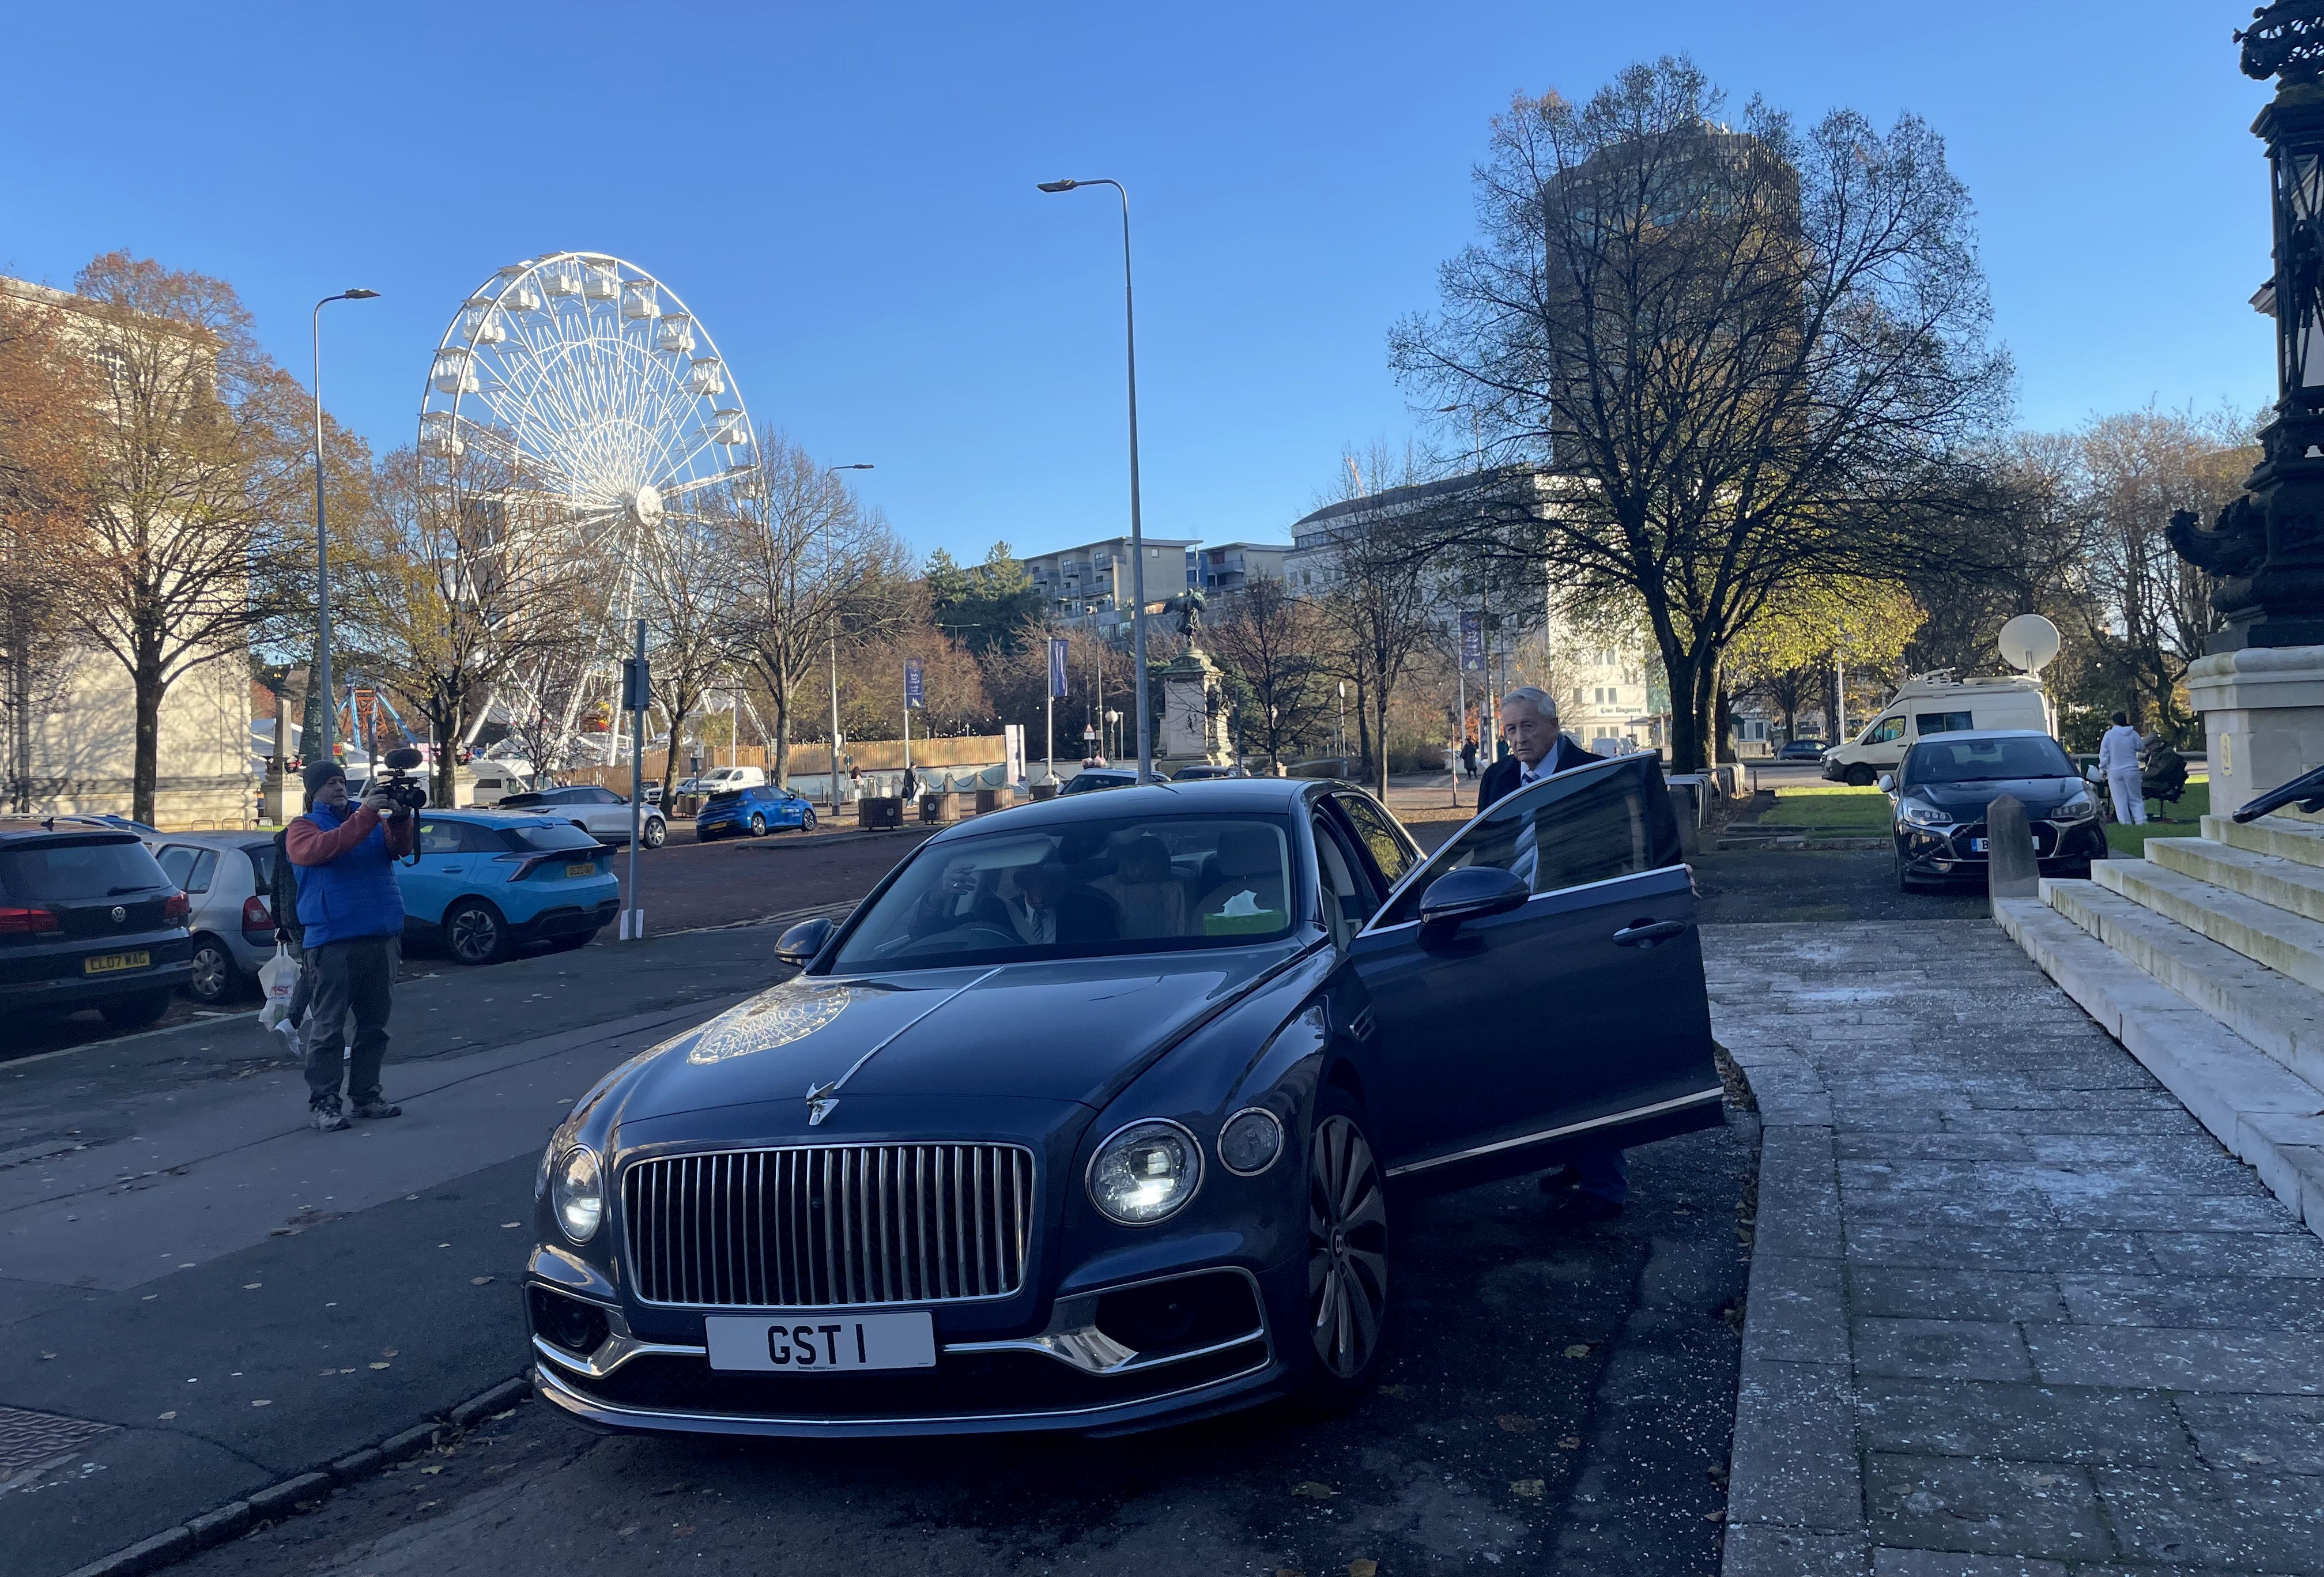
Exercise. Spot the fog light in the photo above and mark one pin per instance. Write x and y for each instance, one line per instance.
(568, 1323)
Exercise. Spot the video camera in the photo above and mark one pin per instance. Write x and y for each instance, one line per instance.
(395, 780)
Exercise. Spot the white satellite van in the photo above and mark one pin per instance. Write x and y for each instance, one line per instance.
(1935, 704)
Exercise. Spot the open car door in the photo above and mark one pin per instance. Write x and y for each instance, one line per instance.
(1539, 984)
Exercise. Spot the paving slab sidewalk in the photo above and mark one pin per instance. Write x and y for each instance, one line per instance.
(2012, 1309)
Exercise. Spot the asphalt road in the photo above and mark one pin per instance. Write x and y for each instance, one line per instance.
(1556, 1401)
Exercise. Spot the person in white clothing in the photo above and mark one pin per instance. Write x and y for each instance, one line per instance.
(2118, 763)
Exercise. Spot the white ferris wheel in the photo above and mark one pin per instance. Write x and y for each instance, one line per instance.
(605, 410)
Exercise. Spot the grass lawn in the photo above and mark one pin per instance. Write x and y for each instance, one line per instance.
(1830, 812)
(2185, 820)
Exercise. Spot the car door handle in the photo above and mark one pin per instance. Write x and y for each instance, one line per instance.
(1648, 934)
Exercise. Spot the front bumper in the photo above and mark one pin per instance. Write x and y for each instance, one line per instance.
(1070, 1376)
(2060, 848)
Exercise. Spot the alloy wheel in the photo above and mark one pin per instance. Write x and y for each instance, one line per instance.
(212, 980)
(656, 832)
(1347, 1247)
(807, 821)
(758, 827)
(473, 933)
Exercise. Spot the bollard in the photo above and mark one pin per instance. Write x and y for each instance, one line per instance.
(1690, 838)
(2011, 871)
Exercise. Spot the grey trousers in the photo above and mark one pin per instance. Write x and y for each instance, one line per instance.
(352, 979)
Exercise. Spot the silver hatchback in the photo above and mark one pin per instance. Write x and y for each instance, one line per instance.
(225, 877)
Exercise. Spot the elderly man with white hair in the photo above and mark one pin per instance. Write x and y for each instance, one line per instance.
(1536, 747)
(1598, 1175)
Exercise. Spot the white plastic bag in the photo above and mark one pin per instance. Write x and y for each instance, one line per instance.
(278, 977)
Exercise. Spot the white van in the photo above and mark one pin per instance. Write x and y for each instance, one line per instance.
(726, 780)
(488, 783)
(1935, 704)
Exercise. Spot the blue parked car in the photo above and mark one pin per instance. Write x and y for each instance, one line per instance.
(485, 882)
(758, 811)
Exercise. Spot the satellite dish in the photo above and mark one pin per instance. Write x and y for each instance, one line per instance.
(2029, 642)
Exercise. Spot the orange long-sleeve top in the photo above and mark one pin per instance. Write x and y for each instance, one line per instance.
(310, 844)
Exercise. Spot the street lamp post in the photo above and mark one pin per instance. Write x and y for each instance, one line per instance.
(835, 470)
(1137, 524)
(322, 545)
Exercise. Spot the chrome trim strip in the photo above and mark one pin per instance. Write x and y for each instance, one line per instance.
(1074, 1339)
(612, 1353)
(693, 1422)
(1715, 1092)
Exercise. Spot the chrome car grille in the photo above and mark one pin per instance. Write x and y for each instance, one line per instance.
(830, 1226)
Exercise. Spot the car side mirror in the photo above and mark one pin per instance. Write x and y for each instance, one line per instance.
(1471, 893)
(802, 942)
(1887, 782)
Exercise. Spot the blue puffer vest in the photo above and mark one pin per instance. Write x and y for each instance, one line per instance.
(355, 895)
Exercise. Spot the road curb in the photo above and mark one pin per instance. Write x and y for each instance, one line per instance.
(277, 1501)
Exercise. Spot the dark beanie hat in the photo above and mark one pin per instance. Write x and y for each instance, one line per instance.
(320, 773)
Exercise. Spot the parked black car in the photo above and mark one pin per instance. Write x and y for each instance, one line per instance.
(1801, 750)
(87, 920)
(1094, 1115)
(1942, 786)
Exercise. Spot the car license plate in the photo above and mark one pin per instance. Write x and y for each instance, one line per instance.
(1976, 845)
(823, 1343)
(588, 869)
(113, 963)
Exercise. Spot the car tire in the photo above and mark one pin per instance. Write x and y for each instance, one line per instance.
(657, 832)
(758, 826)
(216, 977)
(1347, 1257)
(474, 933)
(1858, 777)
(1905, 882)
(574, 941)
(134, 1012)
(806, 819)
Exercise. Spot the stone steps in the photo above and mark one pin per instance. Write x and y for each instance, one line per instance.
(2281, 883)
(2251, 1103)
(2281, 1017)
(2271, 834)
(2290, 944)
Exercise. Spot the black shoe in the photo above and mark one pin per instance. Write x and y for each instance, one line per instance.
(1559, 1181)
(368, 1110)
(326, 1117)
(1581, 1208)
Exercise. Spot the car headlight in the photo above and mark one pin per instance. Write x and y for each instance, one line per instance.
(578, 1189)
(1145, 1171)
(1920, 813)
(1250, 1140)
(2080, 807)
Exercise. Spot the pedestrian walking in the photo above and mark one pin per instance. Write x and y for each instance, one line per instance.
(351, 912)
(1468, 756)
(911, 785)
(2118, 765)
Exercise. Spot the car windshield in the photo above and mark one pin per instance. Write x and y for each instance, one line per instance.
(557, 835)
(1148, 884)
(1978, 761)
(67, 871)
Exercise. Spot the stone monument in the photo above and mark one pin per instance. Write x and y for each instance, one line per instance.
(2260, 687)
(1193, 719)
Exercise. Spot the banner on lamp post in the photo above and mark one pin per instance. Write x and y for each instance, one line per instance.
(1473, 643)
(916, 693)
(1056, 667)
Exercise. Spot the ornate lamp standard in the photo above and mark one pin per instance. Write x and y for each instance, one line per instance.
(2267, 547)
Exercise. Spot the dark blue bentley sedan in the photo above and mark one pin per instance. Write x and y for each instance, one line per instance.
(1096, 1113)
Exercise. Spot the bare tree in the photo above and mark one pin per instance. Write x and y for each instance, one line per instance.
(194, 534)
(1742, 354)
(445, 597)
(1273, 642)
(1381, 600)
(48, 405)
(810, 569)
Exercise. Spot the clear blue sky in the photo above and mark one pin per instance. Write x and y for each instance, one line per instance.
(844, 195)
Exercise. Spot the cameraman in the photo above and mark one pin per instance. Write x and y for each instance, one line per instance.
(351, 912)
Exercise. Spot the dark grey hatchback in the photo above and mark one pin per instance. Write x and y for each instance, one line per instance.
(87, 919)
(1943, 784)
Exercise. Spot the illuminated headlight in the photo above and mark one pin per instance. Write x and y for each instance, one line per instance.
(1920, 813)
(2080, 807)
(1145, 1171)
(1250, 1140)
(578, 1189)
